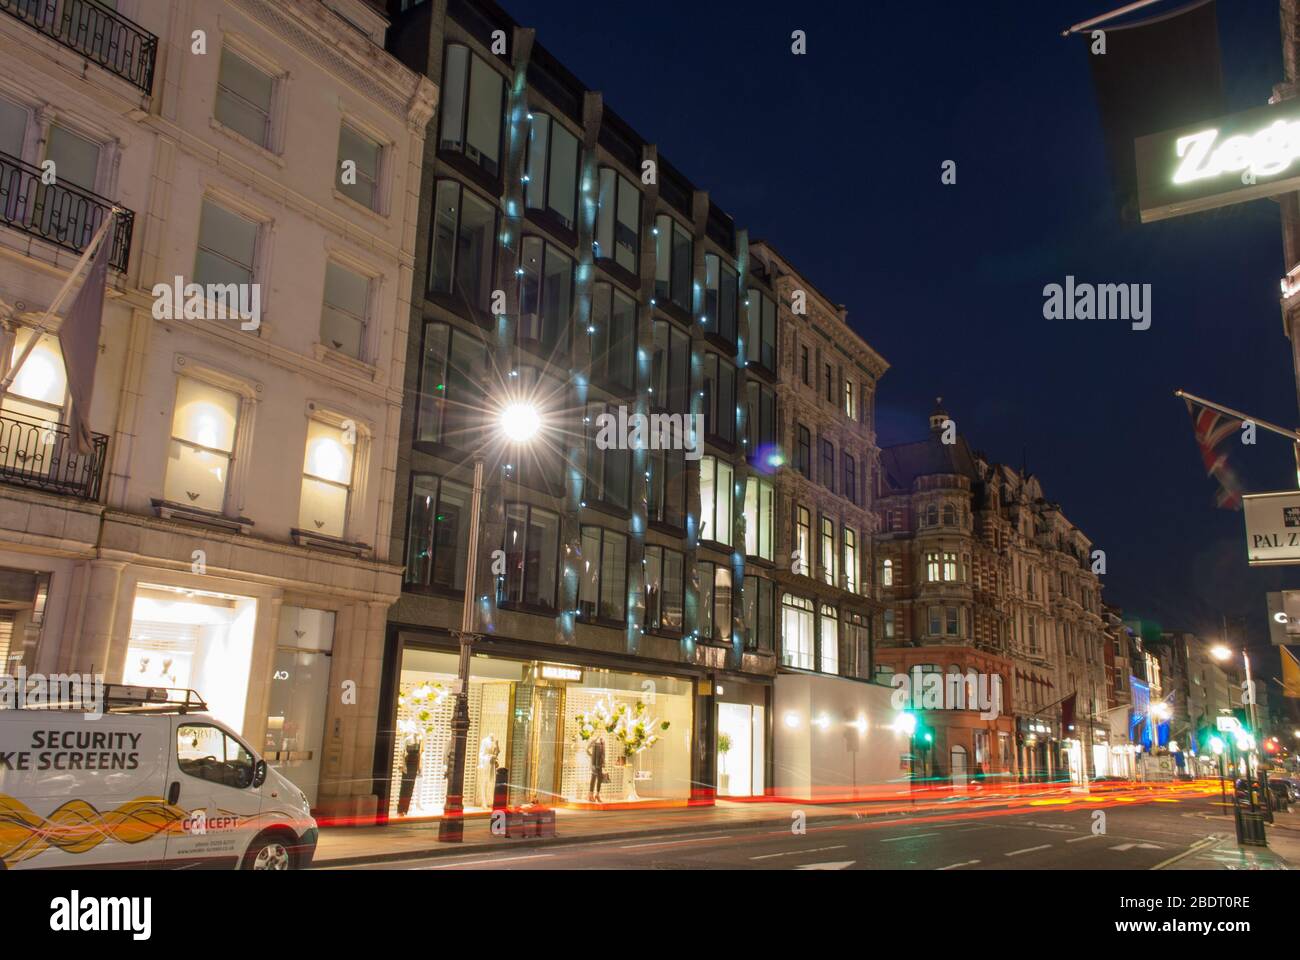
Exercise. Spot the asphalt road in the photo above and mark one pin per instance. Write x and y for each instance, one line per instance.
(1178, 834)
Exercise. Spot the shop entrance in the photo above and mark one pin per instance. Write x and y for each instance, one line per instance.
(740, 761)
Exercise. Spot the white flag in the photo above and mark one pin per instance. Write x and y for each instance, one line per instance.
(79, 340)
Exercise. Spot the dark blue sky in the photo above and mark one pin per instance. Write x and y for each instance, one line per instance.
(835, 157)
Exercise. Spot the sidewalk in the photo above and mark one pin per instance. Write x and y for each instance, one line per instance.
(1221, 851)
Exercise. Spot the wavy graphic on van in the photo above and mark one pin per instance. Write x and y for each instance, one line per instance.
(77, 826)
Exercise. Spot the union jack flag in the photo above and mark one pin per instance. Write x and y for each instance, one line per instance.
(1214, 431)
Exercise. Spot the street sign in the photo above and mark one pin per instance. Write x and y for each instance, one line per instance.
(1283, 616)
(1227, 724)
(1226, 160)
(1272, 527)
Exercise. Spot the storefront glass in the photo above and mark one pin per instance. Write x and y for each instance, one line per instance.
(191, 639)
(526, 718)
(741, 729)
(295, 716)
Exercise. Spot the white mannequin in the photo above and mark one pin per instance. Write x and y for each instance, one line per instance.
(489, 752)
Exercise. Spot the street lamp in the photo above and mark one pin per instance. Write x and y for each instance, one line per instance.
(519, 422)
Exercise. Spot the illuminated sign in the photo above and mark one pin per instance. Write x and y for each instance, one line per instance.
(555, 671)
(1272, 527)
(1232, 159)
(1283, 616)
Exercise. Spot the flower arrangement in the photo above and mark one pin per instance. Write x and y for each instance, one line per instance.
(421, 703)
(632, 726)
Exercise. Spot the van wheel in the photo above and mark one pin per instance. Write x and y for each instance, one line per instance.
(270, 851)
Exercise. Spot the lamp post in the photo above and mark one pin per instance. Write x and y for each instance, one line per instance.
(519, 423)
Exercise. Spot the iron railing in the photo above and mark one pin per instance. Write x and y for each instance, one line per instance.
(60, 213)
(44, 456)
(99, 34)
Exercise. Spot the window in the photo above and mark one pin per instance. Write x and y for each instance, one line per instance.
(850, 410)
(760, 334)
(618, 220)
(803, 365)
(202, 445)
(887, 573)
(541, 465)
(830, 639)
(931, 515)
(37, 394)
(850, 560)
(951, 621)
(850, 485)
(367, 155)
(949, 515)
(609, 472)
(663, 589)
(208, 753)
(803, 455)
(719, 399)
(950, 566)
(715, 500)
(244, 96)
(346, 311)
(532, 546)
(613, 338)
(13, 128)
(828, 550)
(670, 369)
(830, 382)
(889, 624)
(936, 621)
(796, 632)
(602, 582)
(760, 421)
(227, 249)
(552, 173)
(453, 375)
(828, 465)
(545, 297)
(760, 508)
(715, 601)
(472, 105)
(463, 246)
(803, 541)
(932, 567)
(437, 537)
(674, 253)
(721, 294)
(326, 479)
(666, 493)
(760, 613)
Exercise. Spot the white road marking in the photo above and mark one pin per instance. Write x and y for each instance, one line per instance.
(795, 853)
(830, 865)
(954, 866)
(1140, 846)
(471, 863)
(914, 836)
(1086, 836)
(1016, 853)
(661, 843)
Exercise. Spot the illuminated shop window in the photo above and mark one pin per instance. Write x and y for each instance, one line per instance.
(202, 444)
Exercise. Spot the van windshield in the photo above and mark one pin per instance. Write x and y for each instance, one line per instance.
(209, 753)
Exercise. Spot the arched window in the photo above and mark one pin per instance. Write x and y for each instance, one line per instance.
(887, 573)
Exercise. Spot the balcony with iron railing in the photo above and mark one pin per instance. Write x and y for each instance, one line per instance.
(101, 35)
(44, 456)
(60, 213)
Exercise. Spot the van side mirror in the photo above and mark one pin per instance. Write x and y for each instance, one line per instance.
(259, 773)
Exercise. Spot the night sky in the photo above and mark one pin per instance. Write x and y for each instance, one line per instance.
(835, 158)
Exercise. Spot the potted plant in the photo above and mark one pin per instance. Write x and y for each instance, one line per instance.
(724, 778)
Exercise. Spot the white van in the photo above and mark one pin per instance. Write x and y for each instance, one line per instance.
(151, 783)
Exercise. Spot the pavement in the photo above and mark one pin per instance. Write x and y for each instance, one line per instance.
(1171, 827)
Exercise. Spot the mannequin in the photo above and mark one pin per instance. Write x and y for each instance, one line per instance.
(489, 753)
(412, 747)
(596, 751)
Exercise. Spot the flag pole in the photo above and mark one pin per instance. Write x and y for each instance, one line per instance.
(1078, 27)
(40, 328)
(1291, 435)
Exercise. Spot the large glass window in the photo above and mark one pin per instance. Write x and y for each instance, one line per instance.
(618, 220)
(760, 336)
(932, 567)
(613, 338)
(367, 155)
(545, 297)
(326, 479)
(37, 395)
(244, 95)
(720, 298)
(674, 253)
(715, 601)
(346, 310)
(666, 496)
(609, 472)
(663, 589)
(437, 538)
(453, 377)
(950, 566)
(850, 560)
(541, 463)
(803, 541)
(828, 550)
(463, 246)
(602, 581)
(715, 500)
(760, 510)
(760, 613)
(760, 418)
(856, 646)
(719, 399)
(202, 445)
(472, 104)
(828, 465)
(850, 484)
(670, 369)
(830, 639)
(532, 546)
(796, 632)
(552, 169)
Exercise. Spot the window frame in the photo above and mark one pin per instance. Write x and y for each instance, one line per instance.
(457, 152)
(655, 619)
(547, 213)
(709, 514)
(452, 295)
(503, 590)
(617, 180)
(667, 297)
(410, 585)
(599, 616)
